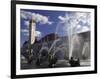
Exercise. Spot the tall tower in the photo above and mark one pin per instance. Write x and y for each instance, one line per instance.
(32, 27)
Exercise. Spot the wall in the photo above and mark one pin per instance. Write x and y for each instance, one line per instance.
(5, 39)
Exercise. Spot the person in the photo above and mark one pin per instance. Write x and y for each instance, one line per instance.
(72, 62)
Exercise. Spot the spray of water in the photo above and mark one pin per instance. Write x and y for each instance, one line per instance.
(74, 23)
(85, 49)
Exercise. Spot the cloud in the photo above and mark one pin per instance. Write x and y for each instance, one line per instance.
(24, 30)
(26, 33)
(36, 16)
(25, 14)
(38, 33)
(76, 21)
(50, 23)
(61, 18)
(83, 29)
(26, 23)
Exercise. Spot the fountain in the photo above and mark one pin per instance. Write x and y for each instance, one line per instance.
(44, 47)
(86, 50)
(74, 45)
(68, 28)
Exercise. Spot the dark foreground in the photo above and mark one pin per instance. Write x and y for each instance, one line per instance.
(60, 63)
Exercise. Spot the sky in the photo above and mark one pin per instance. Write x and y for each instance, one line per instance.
(47, 21)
